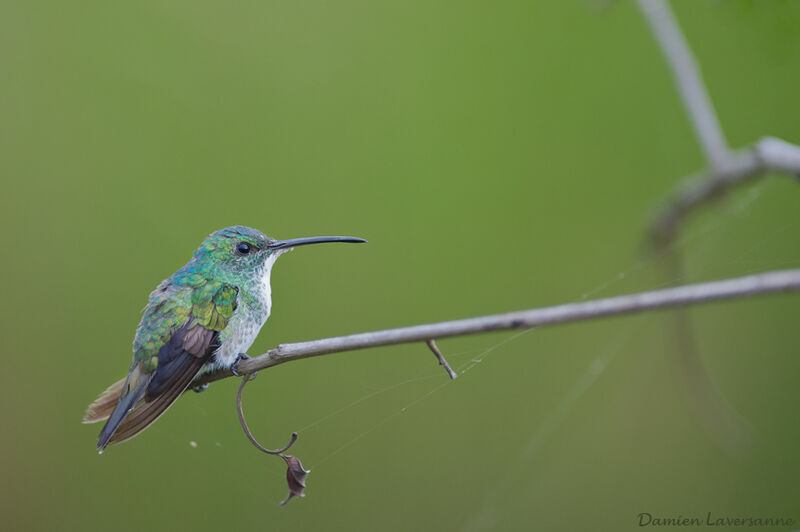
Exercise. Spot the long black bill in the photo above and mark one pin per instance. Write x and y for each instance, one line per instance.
(294, 242)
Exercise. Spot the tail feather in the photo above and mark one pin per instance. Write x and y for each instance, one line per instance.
(105, 403)
(132, 391)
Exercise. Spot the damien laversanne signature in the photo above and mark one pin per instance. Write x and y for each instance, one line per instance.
(648, 519)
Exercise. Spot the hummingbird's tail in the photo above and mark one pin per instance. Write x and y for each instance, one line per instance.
(131, 392)
(101, 409)
(147, 410)
(128, 406)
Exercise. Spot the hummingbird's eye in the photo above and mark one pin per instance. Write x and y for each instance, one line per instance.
(243, 248)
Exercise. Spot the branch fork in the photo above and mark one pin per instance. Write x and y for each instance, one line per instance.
(726, 168)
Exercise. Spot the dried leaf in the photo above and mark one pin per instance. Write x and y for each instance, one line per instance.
(295, 477)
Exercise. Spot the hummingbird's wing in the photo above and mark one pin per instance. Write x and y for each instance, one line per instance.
(177, 335)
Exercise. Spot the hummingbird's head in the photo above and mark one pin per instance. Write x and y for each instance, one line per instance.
(241, 249)
(236, 248)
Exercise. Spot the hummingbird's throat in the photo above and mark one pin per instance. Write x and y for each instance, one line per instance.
(266, 287)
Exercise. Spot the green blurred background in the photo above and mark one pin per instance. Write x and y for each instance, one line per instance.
(498, 156)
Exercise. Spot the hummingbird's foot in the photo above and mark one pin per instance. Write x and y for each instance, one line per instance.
(200, 388)
(239, 358)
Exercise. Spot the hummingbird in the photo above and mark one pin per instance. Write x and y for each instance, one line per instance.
(198, 321)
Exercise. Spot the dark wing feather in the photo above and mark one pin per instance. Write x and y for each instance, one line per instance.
(173, 376)
(186, 346)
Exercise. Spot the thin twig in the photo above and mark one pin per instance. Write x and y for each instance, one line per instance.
(688, 80)
(750, 285)
(440, 357)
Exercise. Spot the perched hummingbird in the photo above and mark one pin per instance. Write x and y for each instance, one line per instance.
(200, 320)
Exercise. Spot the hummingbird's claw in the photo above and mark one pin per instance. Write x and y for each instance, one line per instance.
(200, 388)
(239, 358)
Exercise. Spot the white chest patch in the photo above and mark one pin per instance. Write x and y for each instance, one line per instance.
(265, 285)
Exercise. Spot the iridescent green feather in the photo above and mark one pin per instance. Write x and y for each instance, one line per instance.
(191, 299)
(213, 304)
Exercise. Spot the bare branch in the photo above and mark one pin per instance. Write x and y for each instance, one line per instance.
(751, 285)
(767, 155)
(688, 80)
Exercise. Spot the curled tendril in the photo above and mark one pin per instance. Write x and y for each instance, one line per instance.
(246, 429)
(295, 474)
